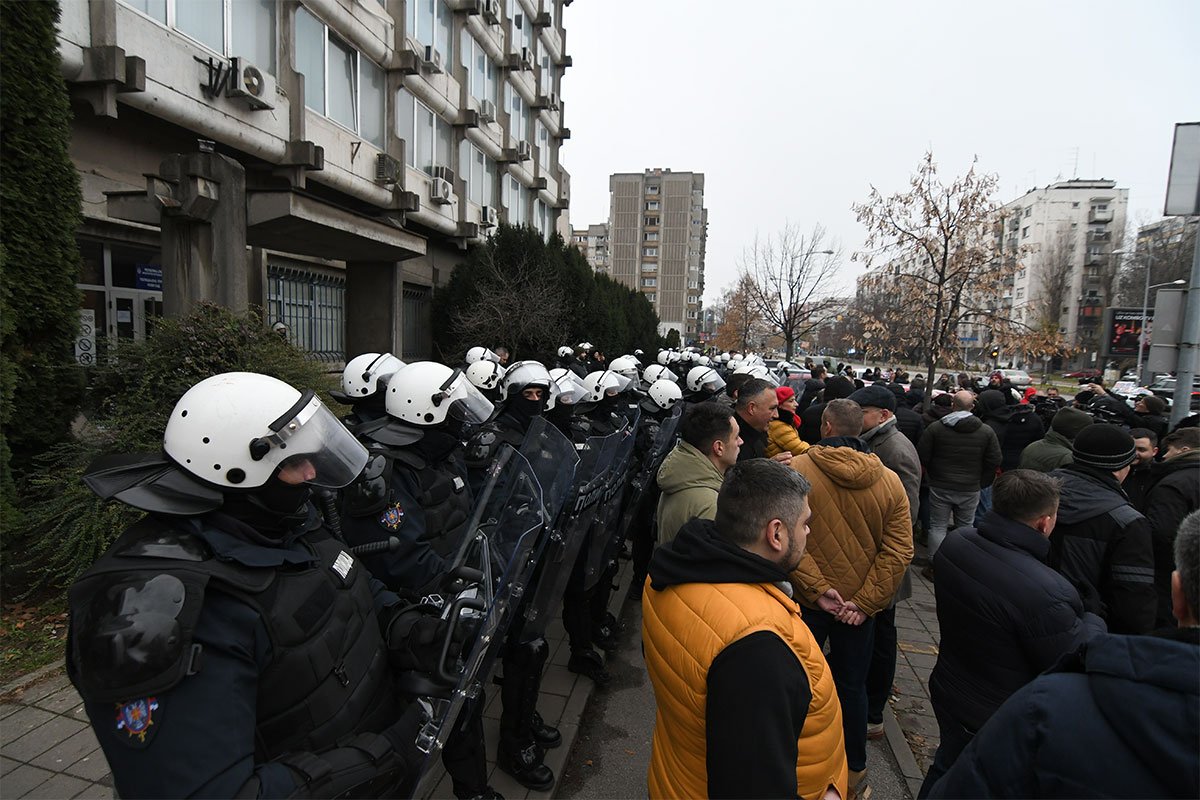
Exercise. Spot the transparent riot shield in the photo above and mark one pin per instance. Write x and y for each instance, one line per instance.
(647, 472)
(605, 540)
(495, 568)
(554, 461)
(570, 530)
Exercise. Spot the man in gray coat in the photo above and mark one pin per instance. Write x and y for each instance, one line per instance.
(897, 453)
(960, 455)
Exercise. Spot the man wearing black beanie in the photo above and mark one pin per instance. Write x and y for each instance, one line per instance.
(1101, 543)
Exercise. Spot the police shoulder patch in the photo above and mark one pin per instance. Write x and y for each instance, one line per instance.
(392, 517)
(136, 719)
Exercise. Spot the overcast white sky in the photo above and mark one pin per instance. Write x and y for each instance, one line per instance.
(792, 109)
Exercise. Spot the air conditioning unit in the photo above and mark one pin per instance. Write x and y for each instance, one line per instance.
(432, 60)
(387, 169)
(487, 111)
(526, 62)
(489, 217)
(524, 151)
(252, 84)
(552, 101)
(443, 174)
(441, 192)
(491, 11)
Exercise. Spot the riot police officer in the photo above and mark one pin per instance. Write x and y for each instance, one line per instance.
(364, 380)
(227, 645)
(661, 400)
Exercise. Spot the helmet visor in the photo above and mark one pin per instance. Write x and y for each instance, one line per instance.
(568, 389)
(712, 382)
(466, 402)
(313, 447)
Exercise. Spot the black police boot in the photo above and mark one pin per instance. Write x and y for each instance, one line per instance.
(605, 638)
(589, 663)
(547, 736)
(525, 765)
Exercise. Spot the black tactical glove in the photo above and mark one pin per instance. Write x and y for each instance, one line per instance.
(414, 639)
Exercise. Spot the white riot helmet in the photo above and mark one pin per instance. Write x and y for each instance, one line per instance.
(734, 364)
(362, 374)
(604, 383)
(522, 375)
(565, 351)
(625, 365)
(426, 393)
(664, 394)
(569, 389)
(477, 354)
(657, 372)
(485, 375)
(758, 371)
(235, 430)
(705, 361)
(664, 357)
(704, 379)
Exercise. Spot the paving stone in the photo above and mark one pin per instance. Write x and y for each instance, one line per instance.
(48, 687)
(562, 654)
(67, 752)
(17, 725)
(444, 789)
(551, 707)
(907, 646)
(64, 701)
(558, 680)
(506, 785)
(92, 767)
(921, 661)
(95, 791)
(577, 702)
(493, 707)
(914, 689)
(22, 780)
(8, 709)
(58, 787)
(42, 738)
(923, 724)
(556, 759)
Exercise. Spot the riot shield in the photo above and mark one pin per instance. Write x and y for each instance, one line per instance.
(554, 461)
(569, 531)
(498, 564)
(647, 471)
(605, 540)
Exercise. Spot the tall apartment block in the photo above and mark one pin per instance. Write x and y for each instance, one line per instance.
(658, 230)
(361, 145)
(1082, 221)
(593, 243)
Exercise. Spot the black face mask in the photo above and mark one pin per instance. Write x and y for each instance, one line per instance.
(438, 443)
(525, 410)
(277, 507)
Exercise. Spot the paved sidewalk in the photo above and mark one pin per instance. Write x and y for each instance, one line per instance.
(914, 727)
(48, 749)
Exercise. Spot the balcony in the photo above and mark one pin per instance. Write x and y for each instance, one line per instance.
(1097, 214)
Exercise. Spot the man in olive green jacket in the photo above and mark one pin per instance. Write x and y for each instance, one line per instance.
(1054, 450)
(691, 474)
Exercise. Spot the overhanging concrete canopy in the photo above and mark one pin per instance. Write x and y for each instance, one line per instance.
(297, 223)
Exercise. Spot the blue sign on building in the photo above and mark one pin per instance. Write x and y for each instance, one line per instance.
(148, 277)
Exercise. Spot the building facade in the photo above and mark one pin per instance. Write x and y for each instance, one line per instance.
(327, 160)
(593, 243)
(658, 231)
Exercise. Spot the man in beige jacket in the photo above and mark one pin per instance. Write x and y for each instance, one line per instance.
(691, 474)
(858, 548)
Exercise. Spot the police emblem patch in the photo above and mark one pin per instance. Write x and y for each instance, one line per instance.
(136, 717)
(392, 517)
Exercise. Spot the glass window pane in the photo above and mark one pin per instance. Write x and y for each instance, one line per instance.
(254, 32)
(372, 128)
(310, 58)
(405, 124)
(151, 8)
(445, 42)
(423, 137)
(424, 27)
(204, 21)
(445, 139)
(479, 178)
(489, 181)
(464, 49)
(342, 89)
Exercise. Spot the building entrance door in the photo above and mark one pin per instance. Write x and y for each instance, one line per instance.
(130, 312)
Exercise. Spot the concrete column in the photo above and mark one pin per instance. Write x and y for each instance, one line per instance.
(373, 307)
(204, 254)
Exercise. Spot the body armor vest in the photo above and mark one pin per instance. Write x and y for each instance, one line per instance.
(134, 615)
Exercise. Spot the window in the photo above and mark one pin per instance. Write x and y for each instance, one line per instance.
(650, 251)
(649, 281)
(541, 218)
(652, 297)
(1029, 211)
(651, 188)
(429, 23)
(652, 205)
(244, 28)
(477, 170)
(543, 143)
(1020, 294)
(692, 315)
(649, 266)
(650, 236)
(417, 322)
(693, 284)
(339, 82)
(516, 200)
(651, 222)
(693, 299)
(518, 115)
(312, 306)
(481, 70)
(426, 135)
(1074, 205)
(1025, 232)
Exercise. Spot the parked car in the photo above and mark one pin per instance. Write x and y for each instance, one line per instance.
(1017, 377)
(1165, 388)
(1084, 375)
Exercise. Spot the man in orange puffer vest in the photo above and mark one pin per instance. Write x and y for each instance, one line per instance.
(746, 705)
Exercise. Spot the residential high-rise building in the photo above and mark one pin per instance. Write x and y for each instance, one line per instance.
(593, 243)
(658, 230)
(377, 140)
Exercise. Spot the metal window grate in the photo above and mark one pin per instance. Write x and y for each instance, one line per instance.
(417, 341)
(313, 306)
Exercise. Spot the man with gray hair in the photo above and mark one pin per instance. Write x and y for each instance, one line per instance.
(746, 704)
(1115, 719)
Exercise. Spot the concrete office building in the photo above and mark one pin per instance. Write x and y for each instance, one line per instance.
(658, 229)
(357, 148)
(593, 243)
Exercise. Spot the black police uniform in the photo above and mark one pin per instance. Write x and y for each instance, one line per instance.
(642, 529)
(219, 660)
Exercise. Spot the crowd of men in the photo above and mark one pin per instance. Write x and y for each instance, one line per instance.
(316, 606)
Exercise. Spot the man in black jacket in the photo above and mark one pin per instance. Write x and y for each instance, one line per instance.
(755, 408)
(1147, 411)
(1115, 719)
(836, 388)
(1101, 543)
(1005, 616)
(1174, 493)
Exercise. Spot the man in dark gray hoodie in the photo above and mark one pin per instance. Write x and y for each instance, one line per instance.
(960, 455)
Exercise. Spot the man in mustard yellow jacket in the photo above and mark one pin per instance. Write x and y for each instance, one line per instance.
(746, 704)
(860, 545)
